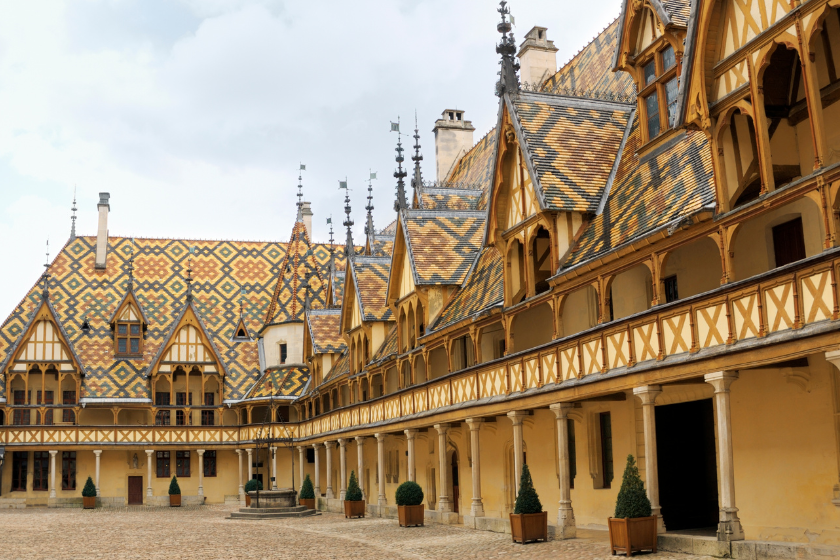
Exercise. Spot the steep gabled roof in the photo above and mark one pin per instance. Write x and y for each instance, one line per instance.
(383, 245)
(339, 368)
(324, 330)
(388, 347)
(285, 382)
(336, 288)
(475, 169)
(370, 278)
(442, 245)
(482, 290)
(450, 199)
(132, 298)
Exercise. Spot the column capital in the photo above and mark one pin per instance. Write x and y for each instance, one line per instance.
(648, 393)
(238, 452)
(53, 452)
(474, 423)
(517, 416)
(409, 434)
(833, 357)
(360, 440)
(562, 410)
(721, 380)
(329, 444)
(442, 428)
(249, 451)
(380, 437)
(149, 452)
(342, 442)
(97, 452)
(273, 448)
(200, 452)
(315, 445)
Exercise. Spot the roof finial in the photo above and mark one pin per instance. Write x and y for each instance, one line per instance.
(307, 301)
(45, 278)
(189, 279)
(73, 216)
(508, 80)
(241, 300)
(400, 203)
(417, 181)
(349, 251)
(131, 264)
(300, 193)
(369, 231)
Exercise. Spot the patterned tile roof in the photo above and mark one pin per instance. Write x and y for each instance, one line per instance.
(370, 276)
(572, 146)
(337, 287)
(388, 346)
(339, 368)
(650, 194)
(678, 10)
(288, 381)
(78, 290)
(383, 245)
(475, 168)
(590, 70)
(442, 245)
(325, 331)
(482, 289)
(450, 199)
(390, 229)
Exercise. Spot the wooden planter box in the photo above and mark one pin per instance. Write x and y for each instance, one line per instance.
(529, 527)
(632, 535)
(247, 500)
(307, 503)
(88, 503)
(354, 509)
(174, 500)
(411, 516)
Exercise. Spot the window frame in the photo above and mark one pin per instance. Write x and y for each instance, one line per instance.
(20, 466)
(182, 464)
(607, 460)
(68, 470)
(163, 464)
(128, 337)
(210, 463)
(658, 85)
(40, 471)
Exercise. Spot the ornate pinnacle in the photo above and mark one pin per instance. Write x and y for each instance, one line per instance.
(508, 79)
(348, 223)
(369, 230)
(417, 181)
(189, 279)
(130, 265)
(300, 193)
(73, 216)
(400, 203)
(45, 278)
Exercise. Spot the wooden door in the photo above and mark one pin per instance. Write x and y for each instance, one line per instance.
(135, 490)
(456, 494)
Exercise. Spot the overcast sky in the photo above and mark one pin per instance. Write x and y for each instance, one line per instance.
(195, 114)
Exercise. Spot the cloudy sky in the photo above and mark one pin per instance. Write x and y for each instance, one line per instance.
(195, 114)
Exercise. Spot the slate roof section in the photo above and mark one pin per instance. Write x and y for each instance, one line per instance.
(483, 289)
(370, 276)
(571, 146)
(475, 168)
(325, 331)
(339, 368)
(388, 347)
(442, 245)
(383, 245)
(78, 290)
(678, 10)
(390, 229)
(337, 287)
(284, 382)
(651, 194)
(450, 199)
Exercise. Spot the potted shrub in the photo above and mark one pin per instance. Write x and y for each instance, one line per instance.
(528, 522)
(354, 505)
(307, 494)
(410, 504)
(89, 494)
(174, 493)
(633, 528)
(251, 486)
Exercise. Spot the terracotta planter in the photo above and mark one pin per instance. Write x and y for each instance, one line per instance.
(354, 509)
(89, 503)
(411, 515)
(307, 503)
(632, 535)
(529, 527)
(247, 500)
(174, 500)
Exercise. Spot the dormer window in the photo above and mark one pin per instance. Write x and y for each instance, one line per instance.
(660, 84)
(128, 332)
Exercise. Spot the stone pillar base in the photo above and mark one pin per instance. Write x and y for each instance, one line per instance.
(444, 504)
(660, 522)
(729, 528)
(477, 509)
(566, 528)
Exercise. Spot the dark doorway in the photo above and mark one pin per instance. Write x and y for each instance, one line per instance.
(455, 484)
(135, 490)
(685, 445)
(788, 242)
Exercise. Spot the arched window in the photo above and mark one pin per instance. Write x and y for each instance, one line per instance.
(516, 272)
(541, 251)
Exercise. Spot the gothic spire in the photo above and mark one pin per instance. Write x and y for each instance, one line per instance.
(417, 180)
(348, 223)
(369, 231)
(130, 265)
(300, 193)
(73, 216)
(45, 277)
(508, 79)
(189, 279)
(400, 203)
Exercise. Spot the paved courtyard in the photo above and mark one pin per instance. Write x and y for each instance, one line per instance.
(203, 532)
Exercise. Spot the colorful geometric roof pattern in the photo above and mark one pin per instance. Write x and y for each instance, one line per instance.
(284, 381)
(482, 289)
(475, 168)
(648, 195)
(219, 268)
(572, 145)
(388, 347)
(590, 70)
(450, 199)
(339, 368)
(337, 287)
(390, 229)
(299, 264)
(678, 10)
(383, 245)
(442, 245)
(325, 331)
(370, 276)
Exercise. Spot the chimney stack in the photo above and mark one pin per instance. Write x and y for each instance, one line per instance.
(453, 139)
(537, 57)
(102, 231)
(306, 214)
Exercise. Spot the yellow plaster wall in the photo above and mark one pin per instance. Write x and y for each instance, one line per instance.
(532, 327)
(697, 267)
(580, 311)
(631, 292)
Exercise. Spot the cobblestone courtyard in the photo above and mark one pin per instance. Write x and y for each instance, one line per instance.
(168, 533)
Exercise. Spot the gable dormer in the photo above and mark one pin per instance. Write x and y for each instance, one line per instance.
(128, 324)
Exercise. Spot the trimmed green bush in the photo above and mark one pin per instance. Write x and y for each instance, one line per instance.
(632, 499)
(307, 492)
(89, 491)
(251, 485)
(174, 489)
(527, 500)
(409, 494)
(354, 493)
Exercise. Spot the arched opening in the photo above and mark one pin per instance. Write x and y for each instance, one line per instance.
(825, 44)
(403, 331)
(463, 353)
(786, 111)
(740, 163)
(532, 327)
(392, 384)
(438, 363)
(244, 419)
(406, 373)
(517, 290)
(630, 292)
(579, 311)
(344, 395)
(20, 416)
(541, 251)
(690, 270)
(353, 357)
(377, 385)
(420, 370)
(365, 389)
(492, 342)
(68, 399)
(163, 418)
(412, 338)
(421, 319)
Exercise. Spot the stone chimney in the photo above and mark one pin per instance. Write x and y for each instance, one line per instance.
(453, 139)
(102, 231)
(306, 214)
(537, 57)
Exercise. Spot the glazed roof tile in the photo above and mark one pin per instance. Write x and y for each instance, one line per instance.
(388, 346)
(337, 286)
(442, 245)
(383, 245)
(325, 331)
(370, 276)
(288, 382)
(475, 168)
(450, 199)
(482, 289)
(339, 368)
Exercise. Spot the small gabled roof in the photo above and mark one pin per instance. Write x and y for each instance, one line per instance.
(483, 289)
(370, 278)
(388, 347)
(324, 330)
(475, 169)
(132, 297)
(669, 12)
(383, 246)
(336, 288)
(450, 199)
(339, 368)
(286, 382)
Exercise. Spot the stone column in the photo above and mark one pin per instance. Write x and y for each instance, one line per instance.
(52, 473)
(517, 416)
(648, 395)
(302, 456)
(360, 452)
(241, 486)
(566, 528)
(729, 526)
(409, 436)
(329, 445)
(250, 453)
(97, 452)
(444, 502)
(317, 474)
(200, 472)
(273, 468)
(477, 507)
(380, 467)
(149, 453)
(342, 454)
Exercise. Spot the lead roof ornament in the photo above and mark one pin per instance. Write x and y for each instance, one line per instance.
(417, 180)
(369, 230)
(400, 174)
(508, 78)
(348, 223)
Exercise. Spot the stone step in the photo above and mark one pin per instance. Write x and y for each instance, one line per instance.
(272, 510)
(240, 515)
